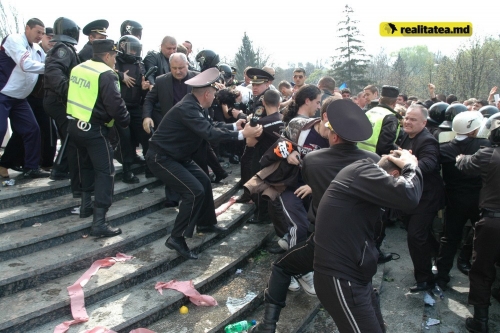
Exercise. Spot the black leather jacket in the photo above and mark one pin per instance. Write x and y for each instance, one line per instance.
(156, 59)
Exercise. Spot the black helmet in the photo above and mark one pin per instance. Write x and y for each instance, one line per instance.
(130, 27)
(488, 110)
(225, 71)
(207, 59)
(450, 113)
(436, 112)
(66, 30)
(130, 48)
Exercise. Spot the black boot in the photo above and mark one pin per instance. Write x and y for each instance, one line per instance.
(99, 226)
(463, 264)
(271, 317)
(128, 176)
(86, 207)
(478, 324)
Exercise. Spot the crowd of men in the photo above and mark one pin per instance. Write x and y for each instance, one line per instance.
(328, 168)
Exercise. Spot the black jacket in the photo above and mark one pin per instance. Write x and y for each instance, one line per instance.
(154, 58)
(347, 214)
(320, 167)
(59, 62)
(134, 95)
(426, 148)
(109, 104)
(457, 182)
(163, 93)
(86, 53)
(183, 129)
(387, 137)
(485, 163)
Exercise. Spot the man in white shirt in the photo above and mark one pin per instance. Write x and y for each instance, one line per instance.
(21, 60)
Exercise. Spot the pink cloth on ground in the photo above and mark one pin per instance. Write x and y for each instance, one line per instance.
(187, 288)
(77, 298)
(222, 208)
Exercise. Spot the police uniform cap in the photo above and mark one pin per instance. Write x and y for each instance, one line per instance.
(103, 46)
(205, 79)
(348, 120)
(49, 31)
(258, 76)
(390, 91)
(98, 26)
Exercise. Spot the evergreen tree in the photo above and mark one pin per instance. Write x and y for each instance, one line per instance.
(248, 56)
(350, 66)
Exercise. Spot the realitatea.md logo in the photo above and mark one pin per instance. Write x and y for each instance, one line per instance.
(426, 29)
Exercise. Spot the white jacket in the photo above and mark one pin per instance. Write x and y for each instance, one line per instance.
(29, 62)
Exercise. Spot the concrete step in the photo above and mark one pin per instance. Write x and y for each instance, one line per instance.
(26, 215)
(141, 305)
(26, 191)
(25, 241)
(35, 268)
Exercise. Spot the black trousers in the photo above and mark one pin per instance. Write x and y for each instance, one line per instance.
(486, 254)
(354, 307)
(459, 208)
(421, 244)
(296, 261)
(130, 136)
(193, 185)
(95, 162)
(56, 109)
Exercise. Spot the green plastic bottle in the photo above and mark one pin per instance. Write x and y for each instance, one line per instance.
(239, 326)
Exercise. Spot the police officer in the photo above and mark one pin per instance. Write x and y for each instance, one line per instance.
(133, 91)
(95, 30)
(60, 61)
(260, 80)
(484, 163)
(95, 104)
(179, 135)
(462, 191)
(385, 123)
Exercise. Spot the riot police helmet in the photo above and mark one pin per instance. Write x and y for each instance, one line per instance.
(130, 27)
(130, 48)
(488, 110)
(207, 59)
(466, 122)
(493, 125)
(66, 30)
(451, 112)
(225, 71)
(436, 112)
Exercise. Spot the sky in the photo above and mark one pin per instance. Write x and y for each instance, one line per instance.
(289, 32)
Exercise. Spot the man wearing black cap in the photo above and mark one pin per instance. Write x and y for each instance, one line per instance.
(348, 125)
(95, 104)
(171, 148)
(385, 123)
(260, 80)
(96, 30)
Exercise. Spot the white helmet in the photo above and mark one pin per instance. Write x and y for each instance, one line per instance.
(466, 122)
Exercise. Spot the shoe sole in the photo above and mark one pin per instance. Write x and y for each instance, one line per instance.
(173, 248)
(101, 235)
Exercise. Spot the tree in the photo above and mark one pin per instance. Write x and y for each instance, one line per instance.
(248, 56)
(378, 70)
(10, 21)
(350, 65)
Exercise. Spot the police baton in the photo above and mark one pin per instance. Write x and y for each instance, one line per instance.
(61, 151)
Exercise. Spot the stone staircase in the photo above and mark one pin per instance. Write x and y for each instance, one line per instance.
(44, 249)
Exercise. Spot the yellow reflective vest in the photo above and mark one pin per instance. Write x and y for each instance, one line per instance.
(84, 89)
(376, 116)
